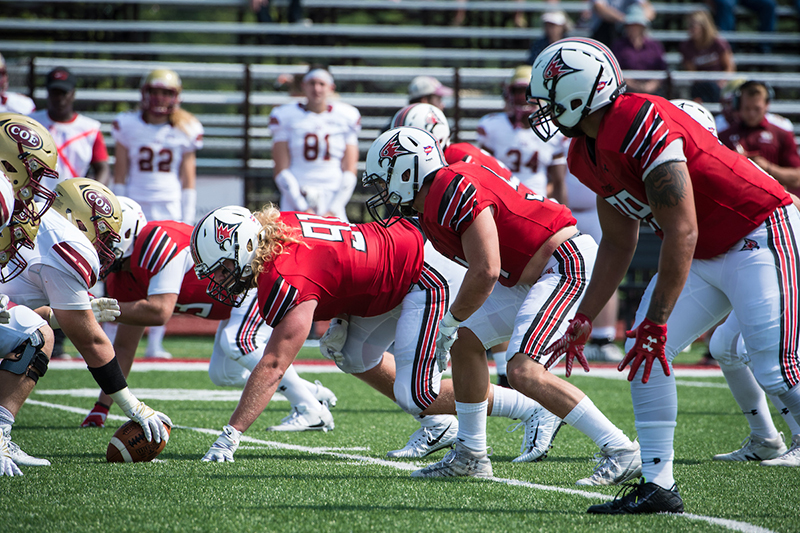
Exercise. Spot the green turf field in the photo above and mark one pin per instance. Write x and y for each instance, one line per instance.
(341, 480)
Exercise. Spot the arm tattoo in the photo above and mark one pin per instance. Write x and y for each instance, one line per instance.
(666, 185)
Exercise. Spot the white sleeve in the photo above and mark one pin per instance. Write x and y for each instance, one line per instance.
(170, 278)
(64, 292)
(278, 127)
(672, 152)
(355, 128)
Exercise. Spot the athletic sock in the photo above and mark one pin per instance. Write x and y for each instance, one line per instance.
(472, 425)
(587, 418)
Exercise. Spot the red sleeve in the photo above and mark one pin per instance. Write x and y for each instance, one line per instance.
(99, 151)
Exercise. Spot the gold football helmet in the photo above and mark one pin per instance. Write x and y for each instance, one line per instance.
(162, 102)
(27, 153)
(21, 231)
(92, 208)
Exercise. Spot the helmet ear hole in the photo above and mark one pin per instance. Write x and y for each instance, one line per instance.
(406, 175)
(576, 103)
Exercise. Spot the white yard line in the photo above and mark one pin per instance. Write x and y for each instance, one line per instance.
(336, 452)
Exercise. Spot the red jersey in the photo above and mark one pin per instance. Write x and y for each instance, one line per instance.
(768, 140)
(732, 195)
(469, 153)
(157, 244)
(359, 269)
(459, 192)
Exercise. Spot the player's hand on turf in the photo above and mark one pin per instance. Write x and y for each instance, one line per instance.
(5, 316)
(105, 309)
(571, 344)
(651, 339)
(332, 342)
(7, 465)
(446, 335)
(152, 422)
(222, 450)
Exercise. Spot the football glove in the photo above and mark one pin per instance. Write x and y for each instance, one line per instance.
(152, 421)
(105, 309)
(7, 465)
(332, 342)
(571, 344)
(651, 339)
(223, 449)
(5, 316)
(445, 337)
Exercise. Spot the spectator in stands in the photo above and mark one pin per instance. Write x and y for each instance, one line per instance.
(725, 13)
(428, 90)
(156, 161)
(12, 102)
(263, 11)
(315, 148)
(556, 26)
(608, 16)
(705, 49)
(636, 50)
(81, 147)
(767, 144)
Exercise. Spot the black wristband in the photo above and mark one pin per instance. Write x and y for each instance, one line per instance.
(109, 377)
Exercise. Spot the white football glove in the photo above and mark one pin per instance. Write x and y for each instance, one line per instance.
(152, 421)
(5, 316)
(105, 309)
(333, 340)
(445, 337)
(7, 465)
(222, 450)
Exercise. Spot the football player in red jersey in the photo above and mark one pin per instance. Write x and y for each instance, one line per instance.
(525, 261)
(307, 267)
(153, 278)
(727, 228)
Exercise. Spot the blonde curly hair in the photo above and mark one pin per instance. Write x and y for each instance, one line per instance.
(275, 236)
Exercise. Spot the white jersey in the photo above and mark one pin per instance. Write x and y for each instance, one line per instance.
(521, 150)
(74, 263)
(79, 143)
(155, 152)
(6, 200)
(317, 141)
(16, 103)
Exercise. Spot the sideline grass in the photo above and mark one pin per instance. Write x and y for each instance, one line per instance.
(271, 488)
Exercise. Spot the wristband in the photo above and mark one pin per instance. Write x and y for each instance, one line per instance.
(450, 321)
(125, 399)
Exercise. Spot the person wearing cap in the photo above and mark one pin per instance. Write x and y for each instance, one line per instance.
(81, 147)
(12, 102)
(635, 50)
(428, 90)
(315, 149)
(608, 16)
(556, 25)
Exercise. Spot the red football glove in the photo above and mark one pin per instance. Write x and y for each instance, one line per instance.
(571, 344)
(651, 338)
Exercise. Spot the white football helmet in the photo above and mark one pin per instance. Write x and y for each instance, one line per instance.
(570, 79)
(167, 80)
(133, 220)
(425, 117)
(699, 113)
(398, 162)
(228, 233)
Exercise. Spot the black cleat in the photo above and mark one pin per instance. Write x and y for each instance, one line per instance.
(641, 499)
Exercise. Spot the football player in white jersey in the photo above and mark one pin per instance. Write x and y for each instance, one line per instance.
(80, 143)
(71, 249)
(506, 135)
(12, 102)
(156, 161)
(315, 148)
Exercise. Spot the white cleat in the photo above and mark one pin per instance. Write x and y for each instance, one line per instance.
(303, 419)
(159, 354)
(324, 394)
(790, 458)
(541, 429)
(609, 352)
(615, 466)
(427, 440)
(459, 462)
(755, 448)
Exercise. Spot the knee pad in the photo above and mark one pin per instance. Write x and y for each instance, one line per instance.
(728, 350)
(353, 363)
(28, 359)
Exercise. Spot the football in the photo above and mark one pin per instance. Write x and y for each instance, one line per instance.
(129, 445)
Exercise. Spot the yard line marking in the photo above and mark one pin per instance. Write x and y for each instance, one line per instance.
(734, 525)
(193, 395)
